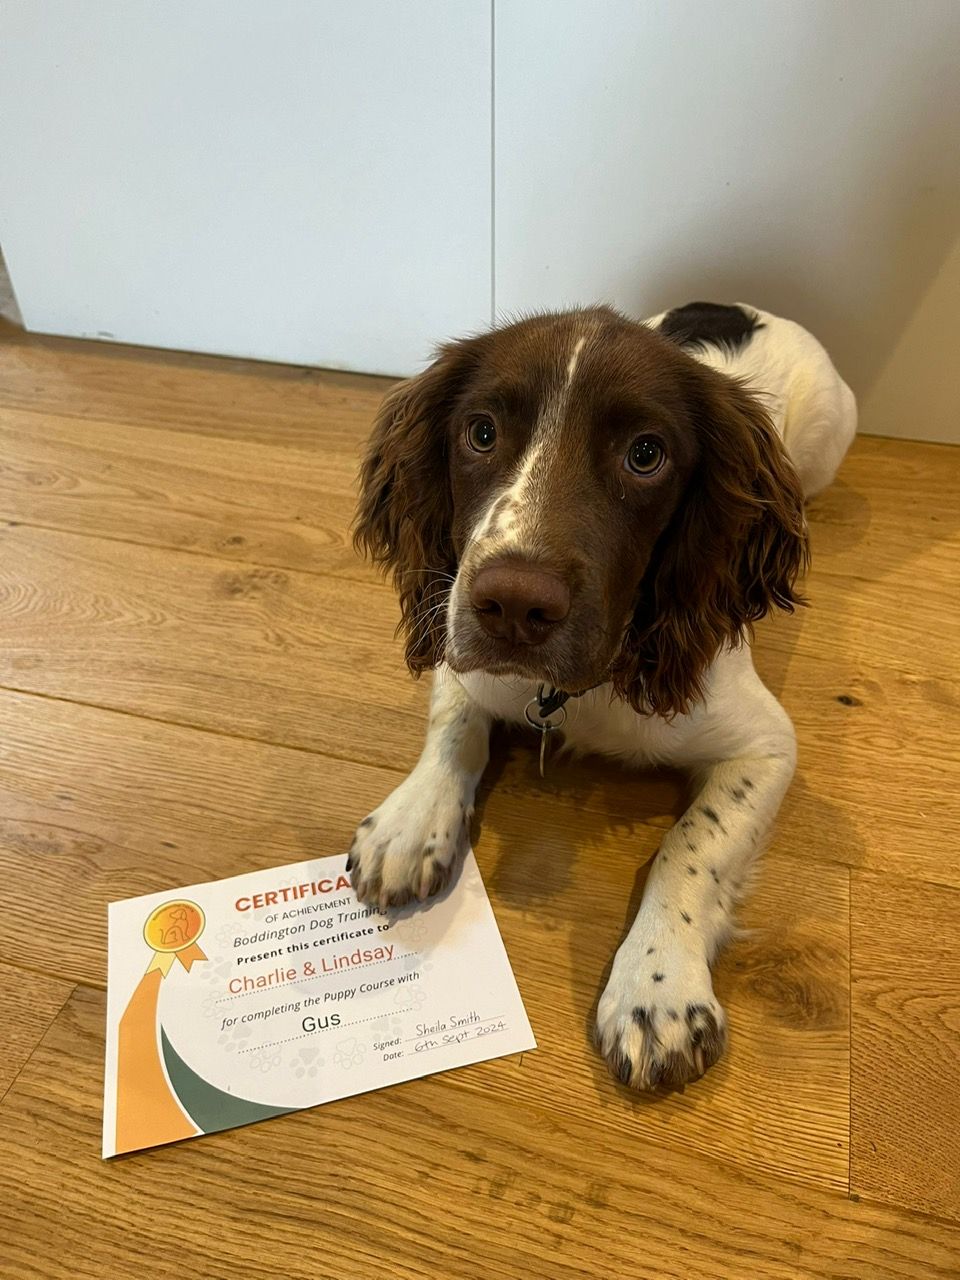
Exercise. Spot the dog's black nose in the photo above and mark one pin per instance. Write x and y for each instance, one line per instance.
(519, 603)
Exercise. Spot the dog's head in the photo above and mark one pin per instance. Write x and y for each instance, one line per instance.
(574, 499)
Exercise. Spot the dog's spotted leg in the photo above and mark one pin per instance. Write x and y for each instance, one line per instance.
(659, 1024)
(409, 847)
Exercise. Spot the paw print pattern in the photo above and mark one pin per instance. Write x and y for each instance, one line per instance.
(414, 931)
(471, 881)
(349, 1053)
(411, 998)
(234, 1040)
(264, 1060)
(306, 1063)
(216, 969)
(386, 1027)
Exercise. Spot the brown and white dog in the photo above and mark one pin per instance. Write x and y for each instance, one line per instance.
(584, 502)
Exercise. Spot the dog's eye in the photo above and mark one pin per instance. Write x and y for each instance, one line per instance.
(645, 456)
(481, 435)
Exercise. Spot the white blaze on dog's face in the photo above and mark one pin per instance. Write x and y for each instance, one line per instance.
(574, 496)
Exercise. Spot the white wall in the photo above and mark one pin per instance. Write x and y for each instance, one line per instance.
(302, 180)
(803, 155)
(311, 180)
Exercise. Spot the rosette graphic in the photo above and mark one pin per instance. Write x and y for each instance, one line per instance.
(160, 1098)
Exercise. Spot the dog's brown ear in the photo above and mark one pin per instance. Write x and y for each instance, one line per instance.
(732, 553)
(404, 514)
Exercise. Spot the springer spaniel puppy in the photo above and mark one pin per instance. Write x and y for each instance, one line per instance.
(578, 505)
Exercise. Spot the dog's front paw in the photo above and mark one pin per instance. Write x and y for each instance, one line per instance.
(409, 847)
(659, 1025)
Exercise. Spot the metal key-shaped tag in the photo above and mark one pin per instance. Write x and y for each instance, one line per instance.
(543, 751)
(544, 725)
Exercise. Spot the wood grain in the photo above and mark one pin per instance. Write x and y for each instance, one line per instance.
(29, 1002)
(890, 506)
(238, 500)
(278, 405)
(434, 1185)
(905, 1082)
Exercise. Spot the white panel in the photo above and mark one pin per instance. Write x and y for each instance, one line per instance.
(302, 180)
(800, 154)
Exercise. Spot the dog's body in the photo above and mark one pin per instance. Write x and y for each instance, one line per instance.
(785, 367)
(563, 548)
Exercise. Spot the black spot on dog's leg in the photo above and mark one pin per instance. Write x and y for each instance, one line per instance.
(745, 782)
(685, 917)
(691, 871)
(738, 794)
(650, 951)
(713, 872)
(640, 1016)
(658, 977)
(713, 816)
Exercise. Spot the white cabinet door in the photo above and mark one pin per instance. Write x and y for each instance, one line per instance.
(300, 180)
(803, 155)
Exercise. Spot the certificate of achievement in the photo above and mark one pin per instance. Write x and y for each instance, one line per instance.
(246, 998)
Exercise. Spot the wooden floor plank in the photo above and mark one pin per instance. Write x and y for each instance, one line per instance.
(262, 653)
(878, 753)
(207, 395)
(29, 1002)
(868, 618)
(493, 1191)
(238, 500)
(905, 1087)
(893, 502)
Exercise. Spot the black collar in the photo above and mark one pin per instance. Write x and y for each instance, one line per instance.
(548, 703)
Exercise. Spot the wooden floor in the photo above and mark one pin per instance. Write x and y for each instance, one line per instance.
(198, 678)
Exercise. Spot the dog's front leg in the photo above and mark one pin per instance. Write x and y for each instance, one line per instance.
(409, 847)
(659, 1024)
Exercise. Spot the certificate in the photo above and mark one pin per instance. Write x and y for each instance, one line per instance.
(246, 998)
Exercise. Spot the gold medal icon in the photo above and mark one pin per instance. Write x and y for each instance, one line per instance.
(171, 932)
